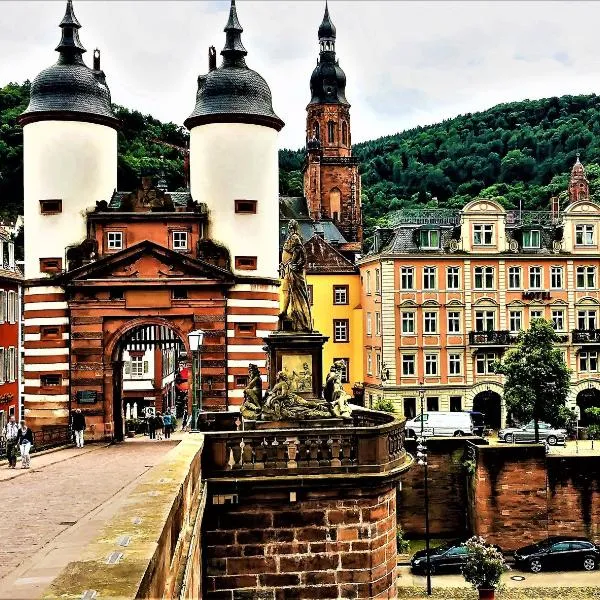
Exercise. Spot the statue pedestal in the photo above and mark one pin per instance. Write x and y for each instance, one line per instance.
(334, 422)
(300, 356)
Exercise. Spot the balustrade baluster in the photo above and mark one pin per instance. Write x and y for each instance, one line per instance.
(271, 448)
(236, 449)
(313, 452)
(335, 448)
(260, 454)
(248, 455)
(292, 452)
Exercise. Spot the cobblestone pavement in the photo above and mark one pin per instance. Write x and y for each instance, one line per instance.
(62, 488)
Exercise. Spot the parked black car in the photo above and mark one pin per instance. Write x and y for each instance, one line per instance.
(478, 422)
(559, 553)
(447, 558)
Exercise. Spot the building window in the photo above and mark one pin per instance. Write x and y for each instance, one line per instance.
(455, 403)
(408, 365)
(245, 207)
(139, 367)
(429, 278)
(310, 293)
(515, 321)
(483, 235)
(345, 368)
(430, 322)
(484, 363)
(50, 207)
(50, 332)
(50, 265)
(2, 365)
(558, 320)
(588, 362)
(531, 238)
(535, 278)
(407, 278)
(180, 240)
(114, 240)
(12, 318)
(50, 380)
(245, 263)
(377, 281)
(3, 306)
(341, 329)
(556, 278)
(410, 407)
(368, 283)
(484, 320)
(369, 324)
(514, 278)
(453, 278)
(331, 132)
(241, 381)
(586, 278)
(344, 133)
(584, 235)
(245, 329)
(377, 323)
(433, 404)
(431, 364)
(369, 363)
(484, 278)
(536, 314)
(340, 294)
(378, 364)
(454, 364)
(429, 239)
(180, 293)
(586, 319)
(454, 322)
(408, 322)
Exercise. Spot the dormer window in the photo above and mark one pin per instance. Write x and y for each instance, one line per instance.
(531, 238)
(483, 235)
(584, 235)
(429, 239)
(180, 240)
(114, 240)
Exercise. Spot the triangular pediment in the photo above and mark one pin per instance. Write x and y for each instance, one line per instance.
(150, 261)
(322, 257)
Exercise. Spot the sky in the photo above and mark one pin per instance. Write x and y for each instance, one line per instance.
(407, 63)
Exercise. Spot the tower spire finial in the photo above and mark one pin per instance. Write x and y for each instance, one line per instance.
(70, 48)
(233, 53)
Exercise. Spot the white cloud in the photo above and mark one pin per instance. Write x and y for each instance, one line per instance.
(407, 63)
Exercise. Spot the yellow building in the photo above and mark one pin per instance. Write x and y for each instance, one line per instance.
(334, 288)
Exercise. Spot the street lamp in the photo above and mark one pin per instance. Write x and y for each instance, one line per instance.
(422, 461)
(195, 339)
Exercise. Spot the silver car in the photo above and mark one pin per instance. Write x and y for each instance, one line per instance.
(526, 434)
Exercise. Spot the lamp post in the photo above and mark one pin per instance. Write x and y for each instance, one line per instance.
(422, 461)
(195, 339)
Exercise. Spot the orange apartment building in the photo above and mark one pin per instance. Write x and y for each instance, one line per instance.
(445, 293)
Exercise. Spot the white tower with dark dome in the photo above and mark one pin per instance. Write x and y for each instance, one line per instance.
(69, 152)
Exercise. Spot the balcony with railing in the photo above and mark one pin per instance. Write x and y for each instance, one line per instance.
(373, 443)
(585, 336)
(491, 337)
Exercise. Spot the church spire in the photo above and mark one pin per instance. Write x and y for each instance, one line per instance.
(326, 32)
(70, 48)
(579, 187)
(233, 53)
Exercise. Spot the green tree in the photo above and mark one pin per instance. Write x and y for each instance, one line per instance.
(537, 378)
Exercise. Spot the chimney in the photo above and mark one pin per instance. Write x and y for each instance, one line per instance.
(554, 207)
(212, 58)
(96, 59)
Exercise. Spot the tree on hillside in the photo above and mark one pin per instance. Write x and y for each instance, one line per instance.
(537, 378)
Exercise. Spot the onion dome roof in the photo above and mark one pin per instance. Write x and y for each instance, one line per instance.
(70, 90)
(233, 93)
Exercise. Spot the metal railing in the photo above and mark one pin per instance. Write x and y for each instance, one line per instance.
(585, 336)
(493, 337)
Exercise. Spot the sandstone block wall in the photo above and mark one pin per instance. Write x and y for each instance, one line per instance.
(329, 544)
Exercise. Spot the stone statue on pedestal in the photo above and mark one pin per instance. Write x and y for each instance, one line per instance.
(295, 311)
(253, 394)
(334, 391)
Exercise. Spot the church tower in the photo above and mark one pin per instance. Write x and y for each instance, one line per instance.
(579, 187)
(69, 152)
(331, 179)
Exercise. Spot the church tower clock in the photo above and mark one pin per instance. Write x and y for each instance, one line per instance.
(331, 179)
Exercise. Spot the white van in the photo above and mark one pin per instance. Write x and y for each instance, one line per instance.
(440, 423)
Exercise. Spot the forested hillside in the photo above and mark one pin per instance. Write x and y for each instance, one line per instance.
(137, 152)
(516, 152)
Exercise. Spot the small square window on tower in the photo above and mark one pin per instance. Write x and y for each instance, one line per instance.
(50, 207)
(245, 207)
(245, 263)
(180, 240)
(50, 265)
(114, 240)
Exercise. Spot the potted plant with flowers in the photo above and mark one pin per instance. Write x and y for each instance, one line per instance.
(483, 567)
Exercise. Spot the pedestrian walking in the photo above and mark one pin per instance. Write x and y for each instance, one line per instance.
(168, 420)
(25, 441)
(11, 429)
(160, 427)
(184, 419)
(151, 426)
(78, 427)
